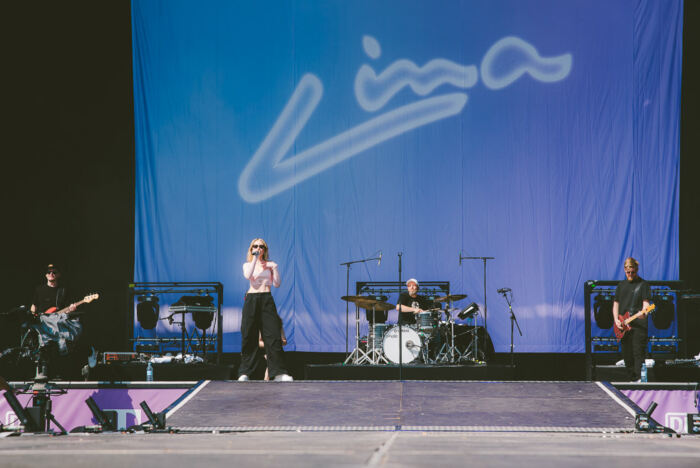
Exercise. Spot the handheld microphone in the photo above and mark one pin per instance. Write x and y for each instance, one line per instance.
(256, 253)
(380, 258)
(503, 290)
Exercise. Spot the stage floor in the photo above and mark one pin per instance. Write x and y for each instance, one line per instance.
(402, 405)
(352, 449)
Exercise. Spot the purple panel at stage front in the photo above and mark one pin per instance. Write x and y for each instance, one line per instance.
(673, 405)
(71, 411)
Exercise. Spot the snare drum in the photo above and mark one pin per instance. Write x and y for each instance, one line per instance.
(412, 344)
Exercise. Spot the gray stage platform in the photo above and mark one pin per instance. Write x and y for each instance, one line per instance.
(402, 405)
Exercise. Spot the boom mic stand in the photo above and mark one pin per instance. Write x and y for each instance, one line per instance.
(398, 321)
(483, 259)
(347, 292)
(513, 321)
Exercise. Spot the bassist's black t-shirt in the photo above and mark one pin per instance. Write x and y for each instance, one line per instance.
(46, 297)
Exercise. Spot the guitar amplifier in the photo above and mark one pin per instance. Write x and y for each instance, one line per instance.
(118, 356)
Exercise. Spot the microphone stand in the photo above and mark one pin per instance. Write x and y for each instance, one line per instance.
(486, 309)
(513, 321)
(400, 324)
(347, 293)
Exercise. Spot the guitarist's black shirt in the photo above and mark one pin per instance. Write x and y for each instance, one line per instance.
(46, 297)
(631, 295)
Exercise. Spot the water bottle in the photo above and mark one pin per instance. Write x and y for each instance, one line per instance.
(644, 372)
(149, 372)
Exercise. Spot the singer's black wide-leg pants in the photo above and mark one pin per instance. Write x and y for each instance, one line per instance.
(260, 317)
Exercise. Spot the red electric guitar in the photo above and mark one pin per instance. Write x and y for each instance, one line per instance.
(626, 320)
(86, 300)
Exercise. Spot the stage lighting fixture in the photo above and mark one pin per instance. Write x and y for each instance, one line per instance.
(664, 313)
(468, 311)
(643, 422)
(27, 422)
(202, 307)
(602, 311)
(147, 311)
(157, 420)
(106, 419)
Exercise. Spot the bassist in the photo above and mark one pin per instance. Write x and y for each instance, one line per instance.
(633, 295)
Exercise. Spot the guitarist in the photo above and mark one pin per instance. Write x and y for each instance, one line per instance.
(632, 295)
(57, 333)
(51, 294)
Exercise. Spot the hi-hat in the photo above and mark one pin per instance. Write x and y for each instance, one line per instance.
(451, 298)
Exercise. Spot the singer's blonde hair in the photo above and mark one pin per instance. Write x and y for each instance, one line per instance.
(266, 252)
(632, 262)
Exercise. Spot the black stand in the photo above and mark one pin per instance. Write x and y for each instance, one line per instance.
(513, 322)
(39, 417)
(484, 260)
(347, 292)
(400, 325)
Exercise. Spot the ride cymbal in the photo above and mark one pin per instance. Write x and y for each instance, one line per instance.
(450, 298)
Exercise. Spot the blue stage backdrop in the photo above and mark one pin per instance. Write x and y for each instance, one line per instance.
(542, 133)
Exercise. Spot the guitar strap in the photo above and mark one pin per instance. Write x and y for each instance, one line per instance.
(635, 295)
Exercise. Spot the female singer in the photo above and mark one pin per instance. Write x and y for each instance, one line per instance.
(260, 314)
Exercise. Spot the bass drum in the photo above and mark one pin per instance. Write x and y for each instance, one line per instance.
(412, 344)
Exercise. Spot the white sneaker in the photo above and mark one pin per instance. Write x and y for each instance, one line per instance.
(243, 378)
(284, 378)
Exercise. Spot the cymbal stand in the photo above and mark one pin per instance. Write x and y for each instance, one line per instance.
(357, 356)
(347, 293)
(473, 353)
(447, 351)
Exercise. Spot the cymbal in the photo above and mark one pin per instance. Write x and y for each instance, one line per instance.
(366, 302)
(450, 298)
(357, 299)
(376, 305)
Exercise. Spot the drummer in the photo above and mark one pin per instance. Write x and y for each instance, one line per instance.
(411, 303)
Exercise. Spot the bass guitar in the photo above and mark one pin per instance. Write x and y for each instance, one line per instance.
(625, 320)
(86, 300)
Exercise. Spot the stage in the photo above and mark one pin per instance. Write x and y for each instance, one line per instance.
(364, 423)
(402, 406)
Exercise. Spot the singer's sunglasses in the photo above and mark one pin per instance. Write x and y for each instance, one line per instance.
(257, 247)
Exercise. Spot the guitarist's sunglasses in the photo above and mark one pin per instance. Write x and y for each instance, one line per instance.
(48, 272)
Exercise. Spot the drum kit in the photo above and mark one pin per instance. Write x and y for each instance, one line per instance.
(431, 340)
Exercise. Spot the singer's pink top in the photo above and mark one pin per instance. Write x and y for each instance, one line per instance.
(261, 278)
